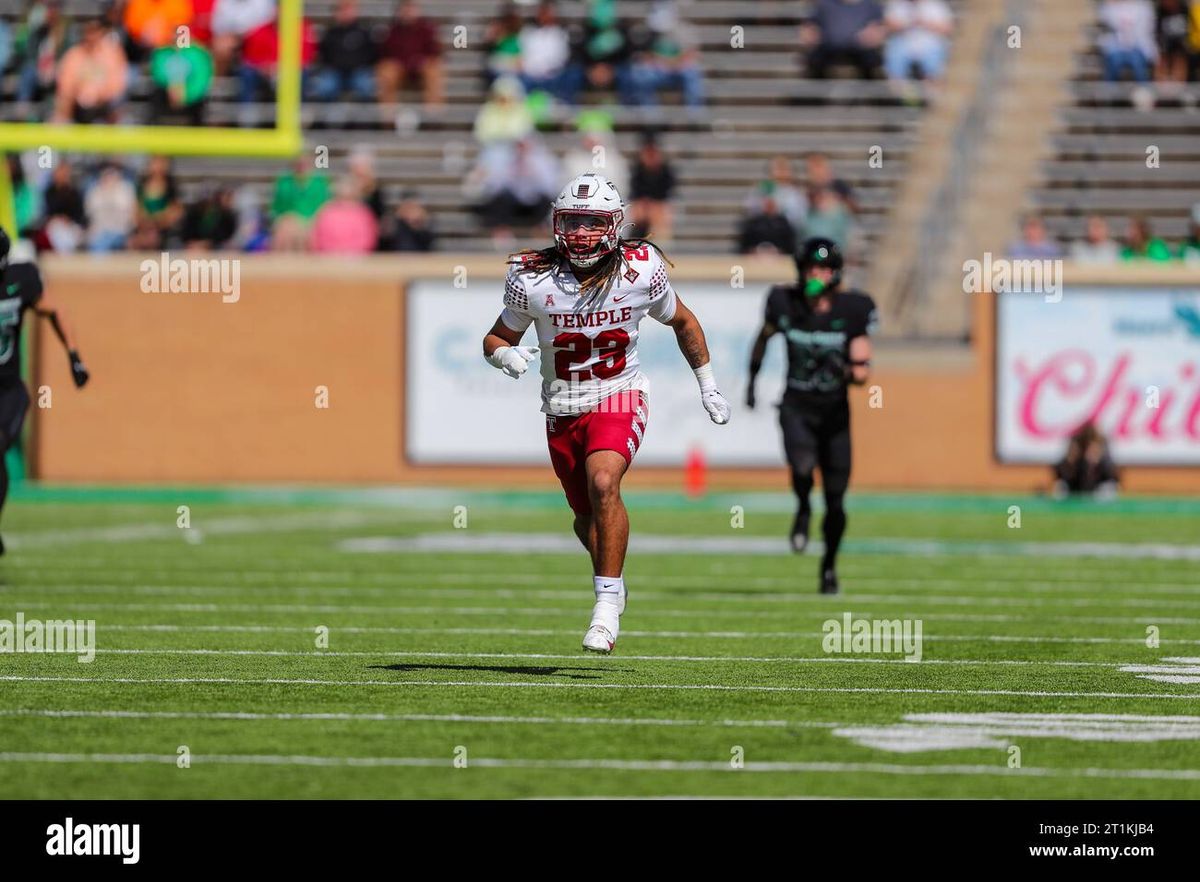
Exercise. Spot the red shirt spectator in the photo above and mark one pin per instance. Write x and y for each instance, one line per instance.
(202, 21)
(261, 48)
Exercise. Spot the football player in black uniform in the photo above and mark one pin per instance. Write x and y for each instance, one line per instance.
(21, 289)
(828, 348)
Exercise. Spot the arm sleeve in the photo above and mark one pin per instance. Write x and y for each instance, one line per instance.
(31, 283)
(868, 323)
(516, 313)
(771, 312)
(662, 294)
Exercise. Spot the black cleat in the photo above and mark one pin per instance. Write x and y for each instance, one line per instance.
(1, 547)
(799, 537)
(829, 580)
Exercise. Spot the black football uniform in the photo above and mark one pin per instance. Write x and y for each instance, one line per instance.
(815, 411)
(20, 289)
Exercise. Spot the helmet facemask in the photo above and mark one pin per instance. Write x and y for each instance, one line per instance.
(585, 236)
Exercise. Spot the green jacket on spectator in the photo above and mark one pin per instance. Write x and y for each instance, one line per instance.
(299, 195)
(190, 68)
(1156, 249)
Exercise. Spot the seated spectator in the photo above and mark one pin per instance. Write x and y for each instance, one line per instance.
(819, 175)
(154, 23)
(6, 45)
(232, 22)
(346, 57)
(1097, 247)
(92, 78)
(409, 228)
(182, 79)
(847, 32)
(159, 201)
(26, 198)
(1194, 41)
(202, 13)
(651, 187)
(1035, 243)
(63, 230)
(781, 184)
(766, 230)
(260, 57)
(1087, 466)
(606, 50)
(361, 167)
(918, 44)
(210, 223)
(299, 195)
(410, 51)
(1190, 250)
(344, 225)
(599, 153)
(1174, 47)
(1127, 39)
(670, 61)
(1142, 244)
(502, 42)
(828, 217)
(46, 35)
(546, 56)
(111, 208)
(513, 185)
(504, 116)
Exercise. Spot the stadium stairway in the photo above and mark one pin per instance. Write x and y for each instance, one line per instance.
(1011, 121)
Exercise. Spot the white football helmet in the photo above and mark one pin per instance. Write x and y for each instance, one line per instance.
(588, 197)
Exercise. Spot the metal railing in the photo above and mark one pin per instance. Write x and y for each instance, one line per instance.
(942, 219)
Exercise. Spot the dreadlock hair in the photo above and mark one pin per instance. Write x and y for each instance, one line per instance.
(535, 261)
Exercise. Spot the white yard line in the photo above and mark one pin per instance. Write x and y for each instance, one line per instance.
(463, 542)
(606, 764)
(824, 659)
(226, 526)
(558, 632)
(522, 684)
(784, 596)
(420, 718)
(804, 599)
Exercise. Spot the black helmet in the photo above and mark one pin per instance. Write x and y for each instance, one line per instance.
(5, 244)
(820, 252)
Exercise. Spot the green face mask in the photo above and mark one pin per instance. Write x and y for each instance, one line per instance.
(814, 288)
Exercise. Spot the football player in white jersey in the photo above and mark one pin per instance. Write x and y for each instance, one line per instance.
(586, 296)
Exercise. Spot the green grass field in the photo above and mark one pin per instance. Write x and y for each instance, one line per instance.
(441, 647)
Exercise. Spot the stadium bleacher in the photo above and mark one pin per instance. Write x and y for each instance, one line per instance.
(1098, 161)
(718, 155)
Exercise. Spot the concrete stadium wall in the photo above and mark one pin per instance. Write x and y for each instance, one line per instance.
(188, 388)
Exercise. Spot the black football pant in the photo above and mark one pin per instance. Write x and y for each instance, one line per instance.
(14, 401)
(818, 436)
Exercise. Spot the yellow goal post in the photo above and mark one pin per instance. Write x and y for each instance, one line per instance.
(282, 141)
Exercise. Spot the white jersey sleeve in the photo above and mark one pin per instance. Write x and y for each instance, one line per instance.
(662, 294)
(516, 315)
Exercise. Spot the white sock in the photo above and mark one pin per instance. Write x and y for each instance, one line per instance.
(609, 588)
(610, 603)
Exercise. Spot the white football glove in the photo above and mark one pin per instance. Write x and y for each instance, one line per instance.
(513, 360)
(712, 399)
(716, 405)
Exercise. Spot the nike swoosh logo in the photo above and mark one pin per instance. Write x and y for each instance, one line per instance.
(619, 299)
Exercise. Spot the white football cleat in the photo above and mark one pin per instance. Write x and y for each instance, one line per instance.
(599, 639)
(602, 633)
